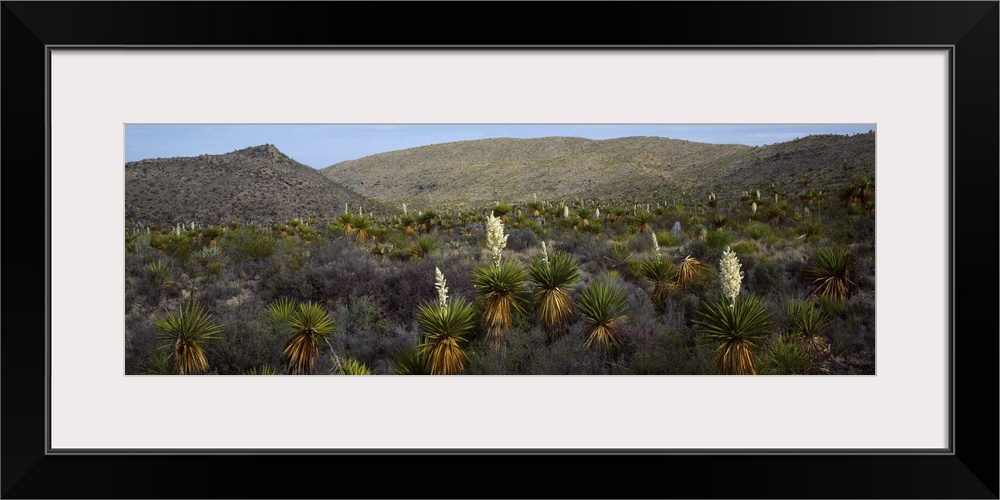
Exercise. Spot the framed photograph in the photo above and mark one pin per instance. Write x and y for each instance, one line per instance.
(899, 426)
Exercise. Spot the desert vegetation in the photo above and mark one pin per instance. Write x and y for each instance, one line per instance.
(758, 276)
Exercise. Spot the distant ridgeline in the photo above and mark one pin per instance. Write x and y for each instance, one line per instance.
(262, 185)
(258, 184)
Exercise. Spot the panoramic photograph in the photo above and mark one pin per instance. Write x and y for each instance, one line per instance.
(480, 249)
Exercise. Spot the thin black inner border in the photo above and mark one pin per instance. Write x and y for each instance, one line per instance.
(949, 450)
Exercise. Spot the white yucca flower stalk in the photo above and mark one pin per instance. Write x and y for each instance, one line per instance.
(345, 208)
(758, 193)
(775, 197)
(565, 211)
(545, 254)
(440, 283)
(192, 225)
(730, 275)
(597, 213)
(656, 244)
(404, 208)
(495, 239)
(754, 207)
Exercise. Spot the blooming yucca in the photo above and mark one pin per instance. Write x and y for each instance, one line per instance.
(730, 275)
(495, 239)
(443, 332)
(441, 284)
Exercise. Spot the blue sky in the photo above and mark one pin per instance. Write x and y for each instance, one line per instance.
(320, 146)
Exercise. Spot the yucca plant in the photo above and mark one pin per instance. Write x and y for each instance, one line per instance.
(309, 322)
(688, 271)
(281, 309)
(503, 288)
(756, 230)
(158, 363)
(665, 238)
(502, 211)
(444, 331)
(406, 222)
(811, 229)
(738, 328)
(160, 272)
(829, 273)
(553, 277)
(602, 306)
(618, 254)
(346, 223)
(349, 366)
(421, 247)
(427, 220)
(409, 361)
(211, 255)
(659, 272)
(641, 221)
(718, 221)
(808, 321)
(778, 213)
(362, 227)
(188, 331)
(140, 243)
(784, 357)
(536, 208)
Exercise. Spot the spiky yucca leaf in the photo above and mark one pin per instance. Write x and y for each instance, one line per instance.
(309, 322)
(737, 328)
(665, 238)
(362, 227)
(281, 309)
(553, 280)
(160, 272)
(658, 271)
(346, 222)
(444, 330)
(830, 273)
(348, 366)
(536, 208)
(641, 221)
(158, 363)
(421, 247)
(784, 357)
(808, 321)
(619, 253)
(503, 287)
(688, 271)
(409, 361)
(602, 305)
(188, 330)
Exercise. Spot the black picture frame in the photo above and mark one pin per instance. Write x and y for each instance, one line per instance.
(970, 470)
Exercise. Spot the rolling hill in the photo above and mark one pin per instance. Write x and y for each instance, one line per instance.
(475, 173)
(472, 173)
(257, 184)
